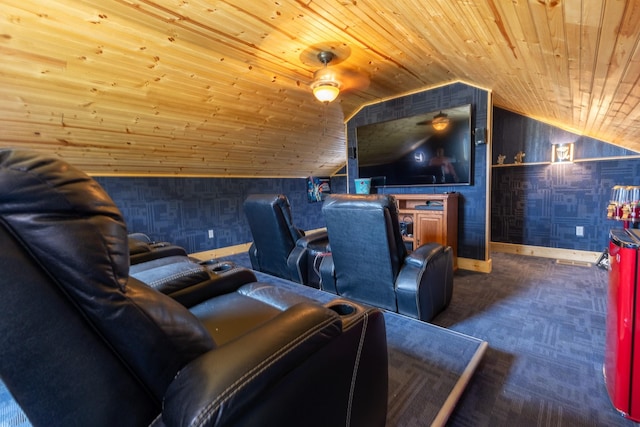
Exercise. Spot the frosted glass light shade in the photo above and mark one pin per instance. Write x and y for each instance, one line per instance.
(325, 86)
(326, 92)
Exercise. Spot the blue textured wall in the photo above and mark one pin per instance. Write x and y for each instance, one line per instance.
(541, 204)
(513, 132)
(531, 204)
(472, 232)
(181, 210)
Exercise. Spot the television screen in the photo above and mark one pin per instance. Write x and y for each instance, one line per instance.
(425, 149)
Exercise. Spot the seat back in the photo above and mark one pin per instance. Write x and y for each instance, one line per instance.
(273, 231)
(78, 337)
(366, 246)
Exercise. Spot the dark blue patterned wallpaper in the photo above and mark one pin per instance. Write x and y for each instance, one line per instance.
(472, 210)
(513, 132)
(181, 210)
(537, 205)
(541, 204)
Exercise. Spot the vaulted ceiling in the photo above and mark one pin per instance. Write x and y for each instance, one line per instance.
(221, 88)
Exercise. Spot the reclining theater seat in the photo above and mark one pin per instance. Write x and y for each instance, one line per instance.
(280, 248)
(188, 281)
(369, 261)
(142, 249)
(82, 343)
(183, 278)
(168, 269)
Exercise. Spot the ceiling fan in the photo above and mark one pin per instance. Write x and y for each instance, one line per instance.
(333, 78)
(439, 122)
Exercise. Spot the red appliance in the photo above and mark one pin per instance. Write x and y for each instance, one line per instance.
(622, 352)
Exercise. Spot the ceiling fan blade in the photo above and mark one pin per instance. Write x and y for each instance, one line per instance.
(424, 122)
(353, 79)
(438, 116)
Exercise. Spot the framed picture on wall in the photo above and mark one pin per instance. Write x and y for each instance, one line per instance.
(317, 188)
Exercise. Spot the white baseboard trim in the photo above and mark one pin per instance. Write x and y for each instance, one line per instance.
(540, 251)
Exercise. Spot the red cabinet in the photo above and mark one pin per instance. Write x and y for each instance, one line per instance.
(622, 352)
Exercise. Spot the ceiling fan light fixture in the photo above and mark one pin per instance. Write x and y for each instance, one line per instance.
(325, 86)
(325, 91)
(440, 121)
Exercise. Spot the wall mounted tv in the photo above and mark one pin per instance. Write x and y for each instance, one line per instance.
(410, 151)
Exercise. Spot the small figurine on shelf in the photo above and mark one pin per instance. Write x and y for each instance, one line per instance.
(501, 158)
(519, 158)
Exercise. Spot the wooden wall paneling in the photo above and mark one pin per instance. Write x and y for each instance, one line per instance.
(605, 61)
(87, 77)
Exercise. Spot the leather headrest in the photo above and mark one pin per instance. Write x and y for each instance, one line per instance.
(72, 228)
(64, 218)
(360, 201)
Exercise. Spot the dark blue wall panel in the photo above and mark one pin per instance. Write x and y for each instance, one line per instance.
(181, 210)
(537, 205)
(513, 133)
(472, 233)
(541, 204)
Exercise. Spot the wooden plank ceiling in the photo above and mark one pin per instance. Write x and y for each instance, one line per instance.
(221, 88)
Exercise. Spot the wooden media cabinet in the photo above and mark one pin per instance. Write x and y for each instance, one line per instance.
(434, 218)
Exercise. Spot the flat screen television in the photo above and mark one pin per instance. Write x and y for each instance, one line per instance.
(412, 151)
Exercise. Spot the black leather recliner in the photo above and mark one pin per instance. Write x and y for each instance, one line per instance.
(143, 249)
(188, 281)
(83, 343)
(370, 263)
(279, 247)
(168, 269)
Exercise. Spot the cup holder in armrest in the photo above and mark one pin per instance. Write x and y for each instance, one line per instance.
(343, 309)
(349, 311)
(216, 266)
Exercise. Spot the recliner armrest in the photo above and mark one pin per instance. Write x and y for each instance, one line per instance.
(227, 381)
(422, 254)
(190, 282)
(425, 281)
(220, 283)
(318, 240)
(301, 262)
(407, 282)
(301, 257)
(328, 275)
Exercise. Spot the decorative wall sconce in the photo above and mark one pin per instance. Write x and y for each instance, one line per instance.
(562, 153)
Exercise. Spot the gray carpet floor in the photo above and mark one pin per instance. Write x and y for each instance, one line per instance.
(545, 324)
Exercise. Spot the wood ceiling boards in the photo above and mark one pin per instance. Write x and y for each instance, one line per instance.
(221, 88)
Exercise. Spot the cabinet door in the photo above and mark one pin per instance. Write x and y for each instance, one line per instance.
(430, 229)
